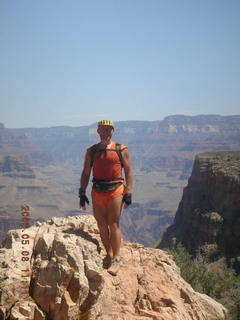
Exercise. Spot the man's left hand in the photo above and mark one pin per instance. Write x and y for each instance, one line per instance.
(127, 200)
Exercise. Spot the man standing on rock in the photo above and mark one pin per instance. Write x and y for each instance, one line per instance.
(109, 191)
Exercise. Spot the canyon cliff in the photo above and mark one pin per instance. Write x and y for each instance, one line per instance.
(209, 212)
(165, 144)
(53, 270)
(162, 153)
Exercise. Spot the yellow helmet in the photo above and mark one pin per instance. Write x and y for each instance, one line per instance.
(106, 123)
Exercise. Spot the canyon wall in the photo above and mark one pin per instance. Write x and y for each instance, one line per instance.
(209, 212)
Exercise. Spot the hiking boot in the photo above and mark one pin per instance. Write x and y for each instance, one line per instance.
(115, 266)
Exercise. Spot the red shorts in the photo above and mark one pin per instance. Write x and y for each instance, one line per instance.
(103, 198)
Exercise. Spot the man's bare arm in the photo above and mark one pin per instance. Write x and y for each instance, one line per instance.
(127, 166)
(84, 181)
(86, 172)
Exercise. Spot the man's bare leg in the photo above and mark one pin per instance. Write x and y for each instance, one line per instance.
(100, 214)
(113, 214)
(105, 237)
(115, 239)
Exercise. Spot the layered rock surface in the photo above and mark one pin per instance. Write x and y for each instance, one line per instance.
(58, 275)
(11, 166)
(22, 147)
(209, 212)
(167, 144)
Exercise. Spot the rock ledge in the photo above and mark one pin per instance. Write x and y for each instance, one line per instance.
(64, 278)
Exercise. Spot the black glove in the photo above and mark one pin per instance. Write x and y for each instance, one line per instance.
(83, 198)
(127, 198)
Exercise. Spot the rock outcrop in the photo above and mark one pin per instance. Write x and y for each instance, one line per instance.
(53, 270)
(209, 212)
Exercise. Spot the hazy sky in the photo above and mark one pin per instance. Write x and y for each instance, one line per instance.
(73, 62)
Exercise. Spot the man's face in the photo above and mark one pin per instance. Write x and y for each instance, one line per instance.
(105, 132)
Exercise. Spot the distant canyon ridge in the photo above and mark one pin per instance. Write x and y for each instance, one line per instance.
(42, 166)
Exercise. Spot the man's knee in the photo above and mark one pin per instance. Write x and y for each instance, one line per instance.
(114, 226)
(102, 226)
(100, 217)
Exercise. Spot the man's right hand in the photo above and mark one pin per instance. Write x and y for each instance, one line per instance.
(83, 199)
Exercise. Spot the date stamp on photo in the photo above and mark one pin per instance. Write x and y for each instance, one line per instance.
(25, 253)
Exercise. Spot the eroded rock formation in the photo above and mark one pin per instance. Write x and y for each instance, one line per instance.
(209, 212)
(64, 278)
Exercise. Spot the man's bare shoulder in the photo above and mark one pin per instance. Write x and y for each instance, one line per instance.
(125, 155)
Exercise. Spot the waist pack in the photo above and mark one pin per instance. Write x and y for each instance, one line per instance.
(106, 187)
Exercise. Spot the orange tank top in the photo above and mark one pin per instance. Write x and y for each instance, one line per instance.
(106, 164)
